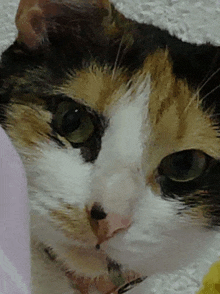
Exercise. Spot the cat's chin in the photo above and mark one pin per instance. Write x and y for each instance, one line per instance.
(169, 252)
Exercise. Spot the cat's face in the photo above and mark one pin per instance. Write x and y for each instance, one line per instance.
(133, 150)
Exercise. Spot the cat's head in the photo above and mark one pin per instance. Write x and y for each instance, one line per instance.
(103, 122)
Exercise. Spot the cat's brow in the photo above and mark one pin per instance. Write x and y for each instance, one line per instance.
(206, 81)
(196, 94)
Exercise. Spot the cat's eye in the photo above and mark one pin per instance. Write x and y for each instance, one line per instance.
(74, 122)
(183, 166)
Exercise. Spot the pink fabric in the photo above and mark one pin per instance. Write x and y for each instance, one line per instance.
(14, 222)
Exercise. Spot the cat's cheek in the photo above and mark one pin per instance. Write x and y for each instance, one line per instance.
(57, 176)
(165, 257)
(158, 241)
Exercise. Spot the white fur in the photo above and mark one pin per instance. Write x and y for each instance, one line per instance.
(58, 175)
(117, 179)
(158, 240)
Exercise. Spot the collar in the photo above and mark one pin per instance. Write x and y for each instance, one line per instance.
(130, 285)
(120, 279)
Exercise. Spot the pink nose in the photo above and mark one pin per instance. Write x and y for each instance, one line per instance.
(105, 226)
(111, 225)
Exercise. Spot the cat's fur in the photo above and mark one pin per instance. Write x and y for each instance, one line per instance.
(148, 96)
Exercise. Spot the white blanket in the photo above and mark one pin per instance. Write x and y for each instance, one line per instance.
(196, 21)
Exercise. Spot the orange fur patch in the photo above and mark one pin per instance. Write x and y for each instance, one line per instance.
(75, 223)
(95, 86)
(28, 125)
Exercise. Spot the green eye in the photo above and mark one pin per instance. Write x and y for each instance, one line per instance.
(73, 122)
(183, 166)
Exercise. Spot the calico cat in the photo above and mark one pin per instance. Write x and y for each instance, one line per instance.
(117, 126)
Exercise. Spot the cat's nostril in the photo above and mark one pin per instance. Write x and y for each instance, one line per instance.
(97, 212)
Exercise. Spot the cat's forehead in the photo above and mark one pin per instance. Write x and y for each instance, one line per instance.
(101, 86)
(95, 86)
(171, 108)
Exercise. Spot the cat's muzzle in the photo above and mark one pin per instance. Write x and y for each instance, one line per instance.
(106, 226)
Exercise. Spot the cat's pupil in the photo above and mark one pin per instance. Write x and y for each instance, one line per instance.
(71, 121)
(182, 163)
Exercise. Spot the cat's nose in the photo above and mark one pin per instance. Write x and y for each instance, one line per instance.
(111, 225)
(97, 212)
(105, 226)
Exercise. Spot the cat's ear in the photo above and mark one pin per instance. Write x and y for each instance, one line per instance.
(35, 18)
(30, 22)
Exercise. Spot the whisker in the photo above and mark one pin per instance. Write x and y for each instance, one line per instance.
(213, 90)
(191, 101)
(213, 115)
(117, 57)
(200, 88)
(203, 85)
(122, 56)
